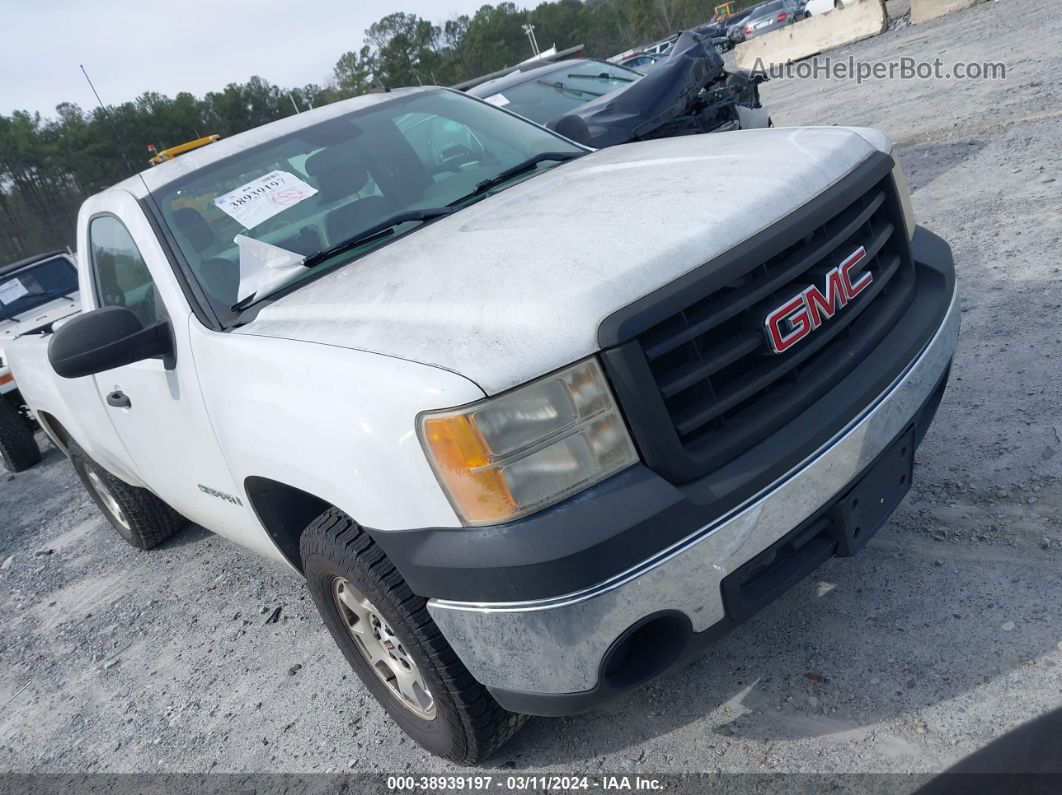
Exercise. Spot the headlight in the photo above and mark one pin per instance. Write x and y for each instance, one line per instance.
(904, 195)
(516, 453)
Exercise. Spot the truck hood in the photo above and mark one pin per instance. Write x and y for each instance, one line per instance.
(37, 318)
(516, 285)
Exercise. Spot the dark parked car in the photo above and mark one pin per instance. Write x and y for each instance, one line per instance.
(716, 33)
(734, 23)
(772, 16)
(603, 104)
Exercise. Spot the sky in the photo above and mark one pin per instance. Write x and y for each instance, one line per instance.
(131, 47)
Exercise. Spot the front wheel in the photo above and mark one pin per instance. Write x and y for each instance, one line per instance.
(385, 632)
(18, 448)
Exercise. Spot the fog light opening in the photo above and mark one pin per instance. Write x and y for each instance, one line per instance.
(646, 650)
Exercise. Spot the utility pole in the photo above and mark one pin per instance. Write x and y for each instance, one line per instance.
(529, 29)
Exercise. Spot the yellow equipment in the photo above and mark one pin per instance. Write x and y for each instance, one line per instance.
(723, 10)
(180, 149)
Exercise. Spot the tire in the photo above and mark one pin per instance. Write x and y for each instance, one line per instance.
(137, 515)
(342, 565)
(838, 4)
(18, 448)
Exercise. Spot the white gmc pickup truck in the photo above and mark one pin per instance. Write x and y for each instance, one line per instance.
(534, 422)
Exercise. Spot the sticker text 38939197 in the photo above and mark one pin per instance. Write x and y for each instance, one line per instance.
(261, 199)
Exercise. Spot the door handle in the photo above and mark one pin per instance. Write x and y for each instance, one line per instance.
(119, 400)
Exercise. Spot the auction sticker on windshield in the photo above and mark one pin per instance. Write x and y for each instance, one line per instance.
(12, 290)
(261, 199)
(498, 100)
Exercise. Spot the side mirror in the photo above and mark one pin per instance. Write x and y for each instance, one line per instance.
(573, 128)
(103, 339)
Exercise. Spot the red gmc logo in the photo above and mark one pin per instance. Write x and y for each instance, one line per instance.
(802, 314)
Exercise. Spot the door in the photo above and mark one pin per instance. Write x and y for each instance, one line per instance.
(156, 406)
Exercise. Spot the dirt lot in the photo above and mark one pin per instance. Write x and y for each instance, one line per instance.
(944, 633)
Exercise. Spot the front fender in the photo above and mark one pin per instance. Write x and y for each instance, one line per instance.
(336, 423)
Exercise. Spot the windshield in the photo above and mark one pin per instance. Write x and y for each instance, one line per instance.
(549, 96)
(36, 285)
(310, 191)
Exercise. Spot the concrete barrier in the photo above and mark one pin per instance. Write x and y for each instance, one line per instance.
(925, 10)
(856, 21)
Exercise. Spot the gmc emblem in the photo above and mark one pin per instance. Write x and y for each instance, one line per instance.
(802, 314)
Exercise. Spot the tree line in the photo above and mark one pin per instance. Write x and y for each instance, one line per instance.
(49, 165)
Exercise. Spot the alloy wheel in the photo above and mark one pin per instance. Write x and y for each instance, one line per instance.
(107, 498)
(382, 649)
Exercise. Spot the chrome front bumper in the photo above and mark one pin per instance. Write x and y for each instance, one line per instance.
(555, 646)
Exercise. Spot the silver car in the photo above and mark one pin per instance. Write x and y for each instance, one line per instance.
(772, 16)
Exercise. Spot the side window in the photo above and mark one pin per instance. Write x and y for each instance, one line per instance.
(121, 275)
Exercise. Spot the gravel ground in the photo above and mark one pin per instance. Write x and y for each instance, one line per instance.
(943, 634)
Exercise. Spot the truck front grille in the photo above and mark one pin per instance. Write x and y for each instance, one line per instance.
(713, 373)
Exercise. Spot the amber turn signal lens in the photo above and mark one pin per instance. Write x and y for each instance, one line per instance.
(463, 464)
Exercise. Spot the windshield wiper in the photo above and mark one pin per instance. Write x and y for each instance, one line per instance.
(388, 225)
(520, 168)
(60, 293)
(382, 229)
(375, 232)
(557, 85)
(603, 76)
(43, 298)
